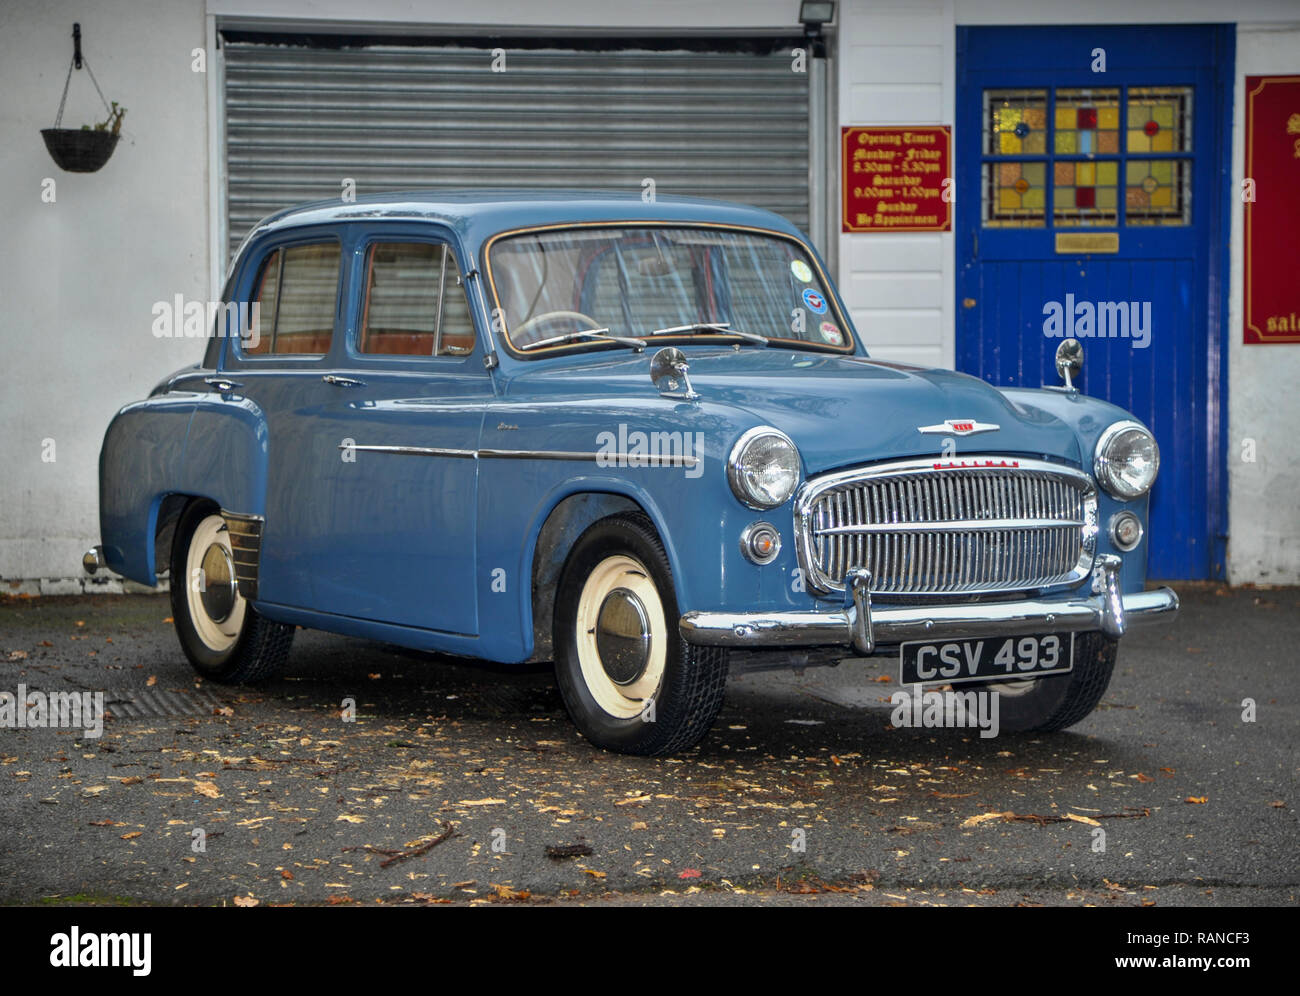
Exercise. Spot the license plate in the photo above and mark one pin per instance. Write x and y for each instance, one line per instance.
(991, 658)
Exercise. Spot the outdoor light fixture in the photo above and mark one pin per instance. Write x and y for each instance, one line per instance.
(815, 13)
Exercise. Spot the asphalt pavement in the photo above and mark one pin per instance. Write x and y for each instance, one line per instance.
(466, 783)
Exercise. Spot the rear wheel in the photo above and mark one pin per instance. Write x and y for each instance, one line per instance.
(1059, 701)
(223, 636)
(628, 679)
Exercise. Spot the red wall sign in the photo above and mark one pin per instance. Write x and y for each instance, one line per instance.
(1272, 293)
(893, 179)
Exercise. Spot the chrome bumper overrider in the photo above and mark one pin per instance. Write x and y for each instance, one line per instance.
(863, 627)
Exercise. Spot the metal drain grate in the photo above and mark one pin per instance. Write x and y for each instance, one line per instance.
(148, 703)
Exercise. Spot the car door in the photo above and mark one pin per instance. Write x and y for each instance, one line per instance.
(395, 439)
(293, 288)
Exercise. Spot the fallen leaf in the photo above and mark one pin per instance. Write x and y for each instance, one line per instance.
(153, 680)
(593, 873)
(287, 874)
(481, 802)
(1198, 800)
(689, 873)
(1082, 819)
(350, 818)
(974, 821)
(131, 836)
(207, 789)
(131, 780)
(1143, 778)
(245, 901)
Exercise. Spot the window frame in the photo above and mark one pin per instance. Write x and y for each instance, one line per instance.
(359, 300)
(254, 277)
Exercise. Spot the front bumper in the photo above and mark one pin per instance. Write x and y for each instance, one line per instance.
(861, 626)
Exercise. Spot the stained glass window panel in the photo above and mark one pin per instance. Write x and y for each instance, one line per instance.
(1015, 122)
(1085, 193)
(1158, 191)
(1087, 122)
(1014, 194)
(1159, 119)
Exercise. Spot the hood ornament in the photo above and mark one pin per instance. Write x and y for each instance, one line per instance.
(958, 427)
(669, 371)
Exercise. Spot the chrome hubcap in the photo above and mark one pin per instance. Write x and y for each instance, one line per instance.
(623, 638)
(217, 594)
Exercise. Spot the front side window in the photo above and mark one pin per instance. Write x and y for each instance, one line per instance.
(415, 302)
(675, 282)
(296, 299)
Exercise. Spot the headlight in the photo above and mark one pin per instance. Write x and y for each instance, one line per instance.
(763, 468)
(1127, 460)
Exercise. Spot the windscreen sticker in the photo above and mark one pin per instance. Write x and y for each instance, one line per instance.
(832, 334)
(814, 301)
(802, 272)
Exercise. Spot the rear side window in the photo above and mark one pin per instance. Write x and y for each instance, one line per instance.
(415, 302)
(296, 298)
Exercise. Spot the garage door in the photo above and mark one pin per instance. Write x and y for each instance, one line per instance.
(731, 122)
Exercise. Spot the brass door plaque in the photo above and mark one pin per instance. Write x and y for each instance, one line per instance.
(1084, 243)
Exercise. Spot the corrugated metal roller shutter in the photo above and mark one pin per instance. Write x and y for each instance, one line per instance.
(715, 124)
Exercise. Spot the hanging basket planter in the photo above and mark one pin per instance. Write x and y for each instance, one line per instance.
(79, 151)
(84, 149)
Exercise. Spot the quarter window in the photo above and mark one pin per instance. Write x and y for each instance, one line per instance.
(415, 302)
(295, 302)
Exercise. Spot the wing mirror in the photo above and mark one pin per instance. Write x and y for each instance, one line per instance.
(668, 370)
(1069, 361)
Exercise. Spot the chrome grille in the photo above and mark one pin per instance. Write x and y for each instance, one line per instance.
(934, 527)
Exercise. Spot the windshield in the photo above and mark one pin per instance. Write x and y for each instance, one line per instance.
(666, 282)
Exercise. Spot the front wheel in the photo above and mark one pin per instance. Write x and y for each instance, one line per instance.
(1059, 701)
(628, 679)
(222, 635)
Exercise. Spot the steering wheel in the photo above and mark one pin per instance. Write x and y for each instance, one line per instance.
(552, 316)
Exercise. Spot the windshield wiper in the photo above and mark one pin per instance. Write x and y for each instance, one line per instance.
(555, 340)
(723, 328)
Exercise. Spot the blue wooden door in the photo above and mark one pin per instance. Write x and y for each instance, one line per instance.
(1092, 181)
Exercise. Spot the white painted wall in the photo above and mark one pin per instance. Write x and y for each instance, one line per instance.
(1263, 381)
(897, 66)
(78, 277)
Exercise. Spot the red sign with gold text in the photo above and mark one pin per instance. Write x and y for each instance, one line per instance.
(1272, 292)
(896, 179)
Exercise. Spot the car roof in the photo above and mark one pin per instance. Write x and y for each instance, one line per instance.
(478, 214)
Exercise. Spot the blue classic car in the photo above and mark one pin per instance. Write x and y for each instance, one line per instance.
(641, 440)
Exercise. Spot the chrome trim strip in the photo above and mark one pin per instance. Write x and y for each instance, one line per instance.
(632, 460)
(901, 480)
(956, 525)
(896, 624)
(435, 451)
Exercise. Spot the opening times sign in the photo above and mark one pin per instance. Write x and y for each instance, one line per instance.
(897, 179)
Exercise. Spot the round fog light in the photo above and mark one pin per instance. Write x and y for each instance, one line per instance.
(1125, 530)
(760, 542)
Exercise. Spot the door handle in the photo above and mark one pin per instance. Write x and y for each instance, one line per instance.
(222, 384)
(338, 381)
(968, 302)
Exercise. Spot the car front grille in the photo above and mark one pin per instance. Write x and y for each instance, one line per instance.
(938, 527)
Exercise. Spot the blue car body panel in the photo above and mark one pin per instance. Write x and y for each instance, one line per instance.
(437, 552)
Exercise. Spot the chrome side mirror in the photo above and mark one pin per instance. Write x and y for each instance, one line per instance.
(668, 370)
(1069, 361)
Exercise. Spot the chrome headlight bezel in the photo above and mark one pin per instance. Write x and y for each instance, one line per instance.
(1107, 465)
(740, 471)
